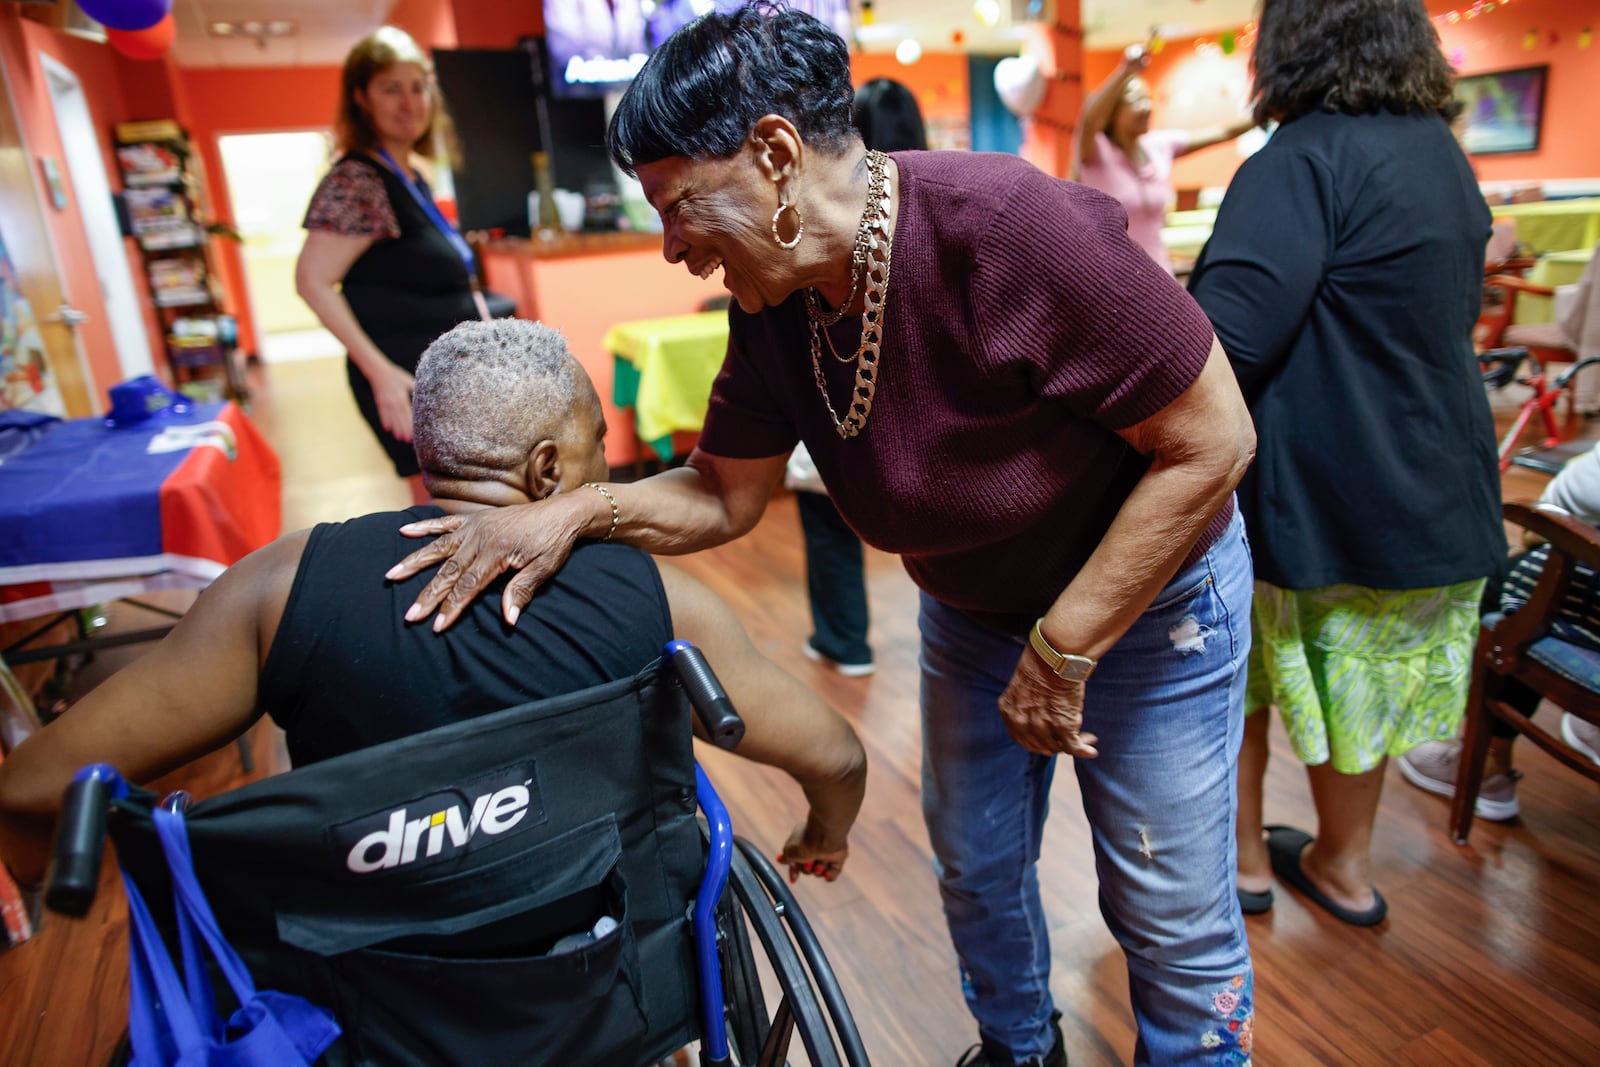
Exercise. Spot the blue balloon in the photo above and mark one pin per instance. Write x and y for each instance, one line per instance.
(126, 14)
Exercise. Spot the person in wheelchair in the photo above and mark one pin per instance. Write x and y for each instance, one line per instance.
(299, 631)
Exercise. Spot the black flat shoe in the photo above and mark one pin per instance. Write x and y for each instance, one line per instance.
(1284, 845)
(1255, 903)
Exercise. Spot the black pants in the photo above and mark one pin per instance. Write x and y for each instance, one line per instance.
(835, 581)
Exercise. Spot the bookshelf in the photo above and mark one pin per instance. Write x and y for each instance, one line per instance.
(165, 211)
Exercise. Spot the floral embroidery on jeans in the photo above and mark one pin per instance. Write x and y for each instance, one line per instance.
(1234, 1036)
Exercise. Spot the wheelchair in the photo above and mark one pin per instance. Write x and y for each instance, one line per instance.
(417, 889)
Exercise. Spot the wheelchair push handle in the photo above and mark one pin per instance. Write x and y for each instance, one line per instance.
(710, 700)
(81, 839)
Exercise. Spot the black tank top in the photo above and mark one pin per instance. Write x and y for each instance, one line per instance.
(407, 290)
(346, 670)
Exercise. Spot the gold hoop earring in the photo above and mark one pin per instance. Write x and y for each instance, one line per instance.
(799, 226)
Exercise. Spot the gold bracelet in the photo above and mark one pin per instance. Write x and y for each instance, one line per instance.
(616, 515)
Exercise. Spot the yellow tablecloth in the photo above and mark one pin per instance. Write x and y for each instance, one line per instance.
(1553, 269)
(1555, 225)
(664, 370)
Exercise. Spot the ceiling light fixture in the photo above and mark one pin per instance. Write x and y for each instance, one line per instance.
(988, 12)
(257, 30)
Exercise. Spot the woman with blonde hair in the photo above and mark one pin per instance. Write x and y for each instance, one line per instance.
(382, 269)
(1119, 154)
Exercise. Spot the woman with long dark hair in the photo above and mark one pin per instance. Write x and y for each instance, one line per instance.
(1343, 279)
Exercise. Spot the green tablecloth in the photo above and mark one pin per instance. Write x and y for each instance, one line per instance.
(1555, 225)
(664, 369)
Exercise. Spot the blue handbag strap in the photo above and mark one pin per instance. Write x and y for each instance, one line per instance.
(430, 209)
(161, 1023)
(194, 909)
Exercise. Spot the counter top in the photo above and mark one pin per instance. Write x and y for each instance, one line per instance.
(569, 245)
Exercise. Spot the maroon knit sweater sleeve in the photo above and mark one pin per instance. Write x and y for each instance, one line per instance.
(1061, 291)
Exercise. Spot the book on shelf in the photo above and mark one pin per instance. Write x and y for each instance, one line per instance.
(160, 218)
(150, 164)
(178, 282)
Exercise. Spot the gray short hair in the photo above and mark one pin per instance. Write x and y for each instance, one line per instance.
(486, 393)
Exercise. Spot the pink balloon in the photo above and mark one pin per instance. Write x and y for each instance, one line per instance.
(126, 14)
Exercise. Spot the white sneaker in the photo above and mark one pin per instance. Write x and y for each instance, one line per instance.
(1581, 735)
(849, 670)
(1432, 766)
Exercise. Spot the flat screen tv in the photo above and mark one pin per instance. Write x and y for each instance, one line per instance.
(597, 46)
(494, 102)
(1503, 110)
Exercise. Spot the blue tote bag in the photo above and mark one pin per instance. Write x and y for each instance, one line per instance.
(173, 1021)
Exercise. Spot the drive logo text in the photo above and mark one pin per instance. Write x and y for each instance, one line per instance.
(445, 825)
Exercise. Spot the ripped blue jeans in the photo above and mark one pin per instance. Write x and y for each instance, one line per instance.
(1167, 704)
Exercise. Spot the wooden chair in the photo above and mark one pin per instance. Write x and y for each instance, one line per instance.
(1522, 353)
(1497, 326)
(1525, 646)
(1502, 254)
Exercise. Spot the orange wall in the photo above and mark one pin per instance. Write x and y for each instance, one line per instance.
(235, 100)
(1190, 89)
(1568, 146)
(21, 40)
(431, 22)
(497, 23)
(938, 80)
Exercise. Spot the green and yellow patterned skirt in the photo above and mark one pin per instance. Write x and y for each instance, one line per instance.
(1359, 674)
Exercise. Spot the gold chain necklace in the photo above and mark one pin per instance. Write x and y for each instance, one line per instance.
(877, 189)
(875, 274)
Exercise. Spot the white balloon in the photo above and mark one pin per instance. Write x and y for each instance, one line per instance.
(1020, 83)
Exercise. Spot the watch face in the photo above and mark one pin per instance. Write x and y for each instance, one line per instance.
(1075, 668)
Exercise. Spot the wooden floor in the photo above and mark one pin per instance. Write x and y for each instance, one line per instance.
(1490, 956)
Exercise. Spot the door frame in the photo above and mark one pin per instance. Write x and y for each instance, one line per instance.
(39, 267)
(107, 250)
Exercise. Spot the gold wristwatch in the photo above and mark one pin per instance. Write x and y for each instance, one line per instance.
(1064, 664)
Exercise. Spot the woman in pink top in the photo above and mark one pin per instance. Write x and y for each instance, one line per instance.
(1119, 154)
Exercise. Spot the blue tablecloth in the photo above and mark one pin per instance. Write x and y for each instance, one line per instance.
(85, 491)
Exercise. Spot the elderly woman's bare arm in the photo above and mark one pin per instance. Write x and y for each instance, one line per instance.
(710, 500)
(1199, 447)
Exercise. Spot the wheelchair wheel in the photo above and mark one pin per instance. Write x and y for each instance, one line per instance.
(761, 1040)
(744, 1004)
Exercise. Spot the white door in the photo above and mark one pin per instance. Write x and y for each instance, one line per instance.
(86, 169)
(271, 177)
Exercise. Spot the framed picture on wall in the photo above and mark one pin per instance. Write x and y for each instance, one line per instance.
(1502, 110)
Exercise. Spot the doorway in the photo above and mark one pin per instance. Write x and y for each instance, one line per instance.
(271, 177)
(86, 169)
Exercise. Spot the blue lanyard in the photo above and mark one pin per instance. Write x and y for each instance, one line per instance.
(430, 209)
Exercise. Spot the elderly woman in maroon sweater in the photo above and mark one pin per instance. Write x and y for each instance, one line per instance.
(1000, 386)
